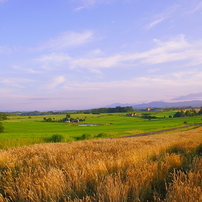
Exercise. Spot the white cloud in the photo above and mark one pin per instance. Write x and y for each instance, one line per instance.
(178, 79)
(177, 49)
(56, 82)
(164, 87)
(15, 82)
(49, 61)
(66, 40)
(54, 57)
(79, 8)
(192, 96)
(162, 16)
(152, 24)
(93, 2)
(5, 49)
(154, 70)
(67, 94)
(29, 70)
(83, 4)
(196, 8)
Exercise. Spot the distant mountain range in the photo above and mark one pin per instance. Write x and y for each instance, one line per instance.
(160, 104)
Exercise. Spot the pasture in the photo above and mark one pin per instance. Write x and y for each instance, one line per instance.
(26, 130)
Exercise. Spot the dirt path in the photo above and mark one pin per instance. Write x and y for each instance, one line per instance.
(159, 131)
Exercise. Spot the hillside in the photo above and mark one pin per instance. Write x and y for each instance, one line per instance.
(153, 168)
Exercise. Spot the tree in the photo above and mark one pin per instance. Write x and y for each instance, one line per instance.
(200, 111)
(3, 116)
(56, 138)
(1, 128)
(188, 113)
(194, 112)
(68, 116)
(177, 114)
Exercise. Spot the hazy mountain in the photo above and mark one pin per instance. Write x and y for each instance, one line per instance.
(160, 104)
(118, 104)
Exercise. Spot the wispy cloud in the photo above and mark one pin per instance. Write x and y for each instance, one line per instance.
(158, 87)
(2, 1)
(162, 16)
(49, 61)
(79, 8)
(28, 70)
(5, 49)
(152, 24)
(15, 82)
(192, 96)
(196, 8)
(90, 3)
(178, 49)
(54, 58)
(56, 82)
(66, 40)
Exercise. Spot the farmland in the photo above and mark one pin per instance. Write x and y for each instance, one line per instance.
(27, 130)
(160, 168)
(157, 168)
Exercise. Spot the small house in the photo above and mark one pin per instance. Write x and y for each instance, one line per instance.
(131, 114)
(76, 121)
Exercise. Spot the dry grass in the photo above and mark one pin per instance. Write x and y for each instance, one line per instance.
(154, 168)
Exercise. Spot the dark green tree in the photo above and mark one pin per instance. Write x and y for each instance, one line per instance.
(200, 111)
(1, 128)
(56, 138)
(188, 113)
(3, 116)
(68, 116)
(177, 114)
(194, 113)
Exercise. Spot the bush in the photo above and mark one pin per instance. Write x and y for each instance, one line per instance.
(101, 135)
(56, 138)
(1, 128)
(85, 137)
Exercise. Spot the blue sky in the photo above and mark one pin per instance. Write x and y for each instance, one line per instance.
(80, 54)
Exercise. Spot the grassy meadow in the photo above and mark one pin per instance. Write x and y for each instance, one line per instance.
(160, 168)
(27, 130)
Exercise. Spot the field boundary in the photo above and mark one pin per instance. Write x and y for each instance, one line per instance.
(159, 131)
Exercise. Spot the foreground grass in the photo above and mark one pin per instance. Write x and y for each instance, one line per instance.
(154, 168)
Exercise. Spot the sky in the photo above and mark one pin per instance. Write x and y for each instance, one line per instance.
(81, 54)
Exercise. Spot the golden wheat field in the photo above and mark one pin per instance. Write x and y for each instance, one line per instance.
(166, 167)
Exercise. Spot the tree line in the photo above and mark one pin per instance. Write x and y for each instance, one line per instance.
(112, 110)
(191, 112)
(37, 113)
(3, 116)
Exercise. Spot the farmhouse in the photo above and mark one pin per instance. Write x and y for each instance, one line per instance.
(131, 114)
(66, 120)
(76, 121)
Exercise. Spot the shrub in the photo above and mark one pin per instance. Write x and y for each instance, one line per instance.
(56, 138)
(85, 137)
(1, 128)
(101, 135)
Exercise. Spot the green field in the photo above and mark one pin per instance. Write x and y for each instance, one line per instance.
(25, 130)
